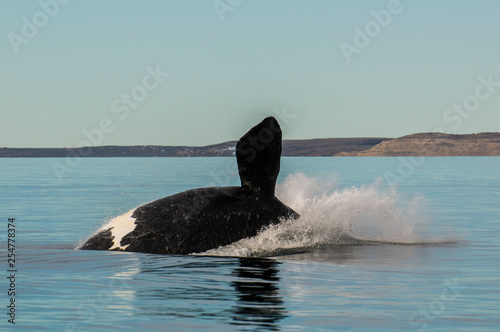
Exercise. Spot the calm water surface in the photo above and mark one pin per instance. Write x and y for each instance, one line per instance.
(422, 253)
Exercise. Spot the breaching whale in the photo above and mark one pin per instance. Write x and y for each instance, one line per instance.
(206, 218)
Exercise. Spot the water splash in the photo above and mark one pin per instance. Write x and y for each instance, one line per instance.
(358, 215)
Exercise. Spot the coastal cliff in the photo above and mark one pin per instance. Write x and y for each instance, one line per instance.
(435, 144)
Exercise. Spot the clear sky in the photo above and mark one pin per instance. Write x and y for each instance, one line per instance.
(186, 72)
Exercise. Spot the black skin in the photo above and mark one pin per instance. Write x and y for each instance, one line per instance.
(201, 219)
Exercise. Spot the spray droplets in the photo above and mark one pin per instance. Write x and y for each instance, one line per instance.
(332, 216)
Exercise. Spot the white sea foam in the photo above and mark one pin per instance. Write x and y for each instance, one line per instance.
(356, 215)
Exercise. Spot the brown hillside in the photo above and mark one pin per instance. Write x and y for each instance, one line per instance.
(435, 144)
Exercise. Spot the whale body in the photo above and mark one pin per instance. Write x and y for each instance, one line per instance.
(206, 218)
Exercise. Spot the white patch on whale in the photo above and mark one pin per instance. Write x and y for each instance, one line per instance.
(120, 226)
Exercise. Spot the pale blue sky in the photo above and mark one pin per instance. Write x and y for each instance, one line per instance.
(226, 75)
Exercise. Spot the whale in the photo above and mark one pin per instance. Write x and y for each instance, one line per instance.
(201, 219)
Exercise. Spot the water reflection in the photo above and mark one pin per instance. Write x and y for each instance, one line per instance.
(241, 294)
(259, 303)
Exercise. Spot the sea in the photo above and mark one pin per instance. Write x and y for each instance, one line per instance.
(382, 244)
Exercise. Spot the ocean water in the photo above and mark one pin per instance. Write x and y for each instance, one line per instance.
(401, 244)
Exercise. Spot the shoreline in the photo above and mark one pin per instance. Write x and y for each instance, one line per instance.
(424, 144)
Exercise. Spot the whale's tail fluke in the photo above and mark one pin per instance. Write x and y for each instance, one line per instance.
(258, 155)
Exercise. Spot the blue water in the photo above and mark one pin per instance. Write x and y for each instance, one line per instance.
(382, 244)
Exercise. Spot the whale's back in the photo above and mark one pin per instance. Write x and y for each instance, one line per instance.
(192, 221)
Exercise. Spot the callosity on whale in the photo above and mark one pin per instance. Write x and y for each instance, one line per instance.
(201, 219)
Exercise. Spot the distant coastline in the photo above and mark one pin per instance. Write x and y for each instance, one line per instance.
(424, 144)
